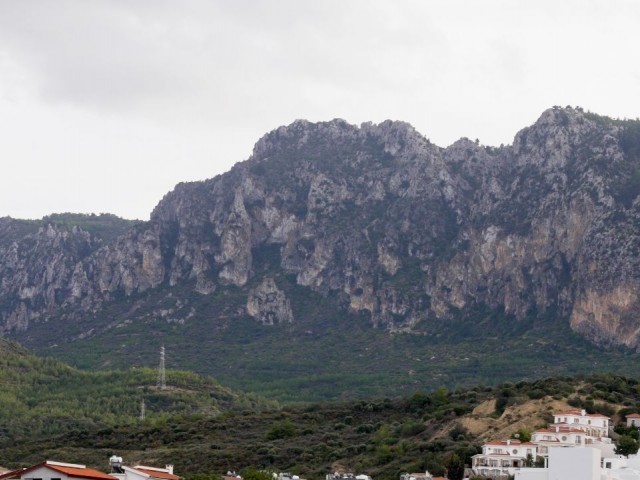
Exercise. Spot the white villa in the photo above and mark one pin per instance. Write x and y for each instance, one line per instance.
(571, 428)
(633, 420)
(501, 458)
(594, 424)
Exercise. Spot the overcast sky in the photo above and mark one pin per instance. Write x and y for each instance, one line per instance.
(106, 105)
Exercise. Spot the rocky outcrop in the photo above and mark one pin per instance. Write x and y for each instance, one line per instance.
(268, 304)
(391, 225)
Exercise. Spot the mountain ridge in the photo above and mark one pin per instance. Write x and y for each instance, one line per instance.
(374, 223)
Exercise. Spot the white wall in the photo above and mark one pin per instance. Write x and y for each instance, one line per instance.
(532, 474)
(45, 473)
(574, 464)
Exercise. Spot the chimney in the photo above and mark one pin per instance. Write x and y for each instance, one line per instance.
(583, 412)
(169, 468)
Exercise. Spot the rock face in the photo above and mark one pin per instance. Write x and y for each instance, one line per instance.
(268, 304)
(409, 233)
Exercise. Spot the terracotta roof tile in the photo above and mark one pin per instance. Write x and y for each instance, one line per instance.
(578, 413)
(77, 471)
(157, 473)
(81, 472)
(12, 473)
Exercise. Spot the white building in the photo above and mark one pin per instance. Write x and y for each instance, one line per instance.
(501, 458)
(593, 424)
(633, 420)
(571, 428)
(575, 428)
(416, 476)
(583, 464)
(566, 464)
(140, 472)
(50, 470)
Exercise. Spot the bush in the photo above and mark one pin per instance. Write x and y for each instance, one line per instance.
(283, 429)
(411, 429)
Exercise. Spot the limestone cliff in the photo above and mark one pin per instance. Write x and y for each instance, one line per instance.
(407, 232)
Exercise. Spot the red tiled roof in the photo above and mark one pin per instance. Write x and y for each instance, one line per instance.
(157, 473)
(578, 413)
(633, 415)
(560, 430)
(81, 472)
(513, 443)
(11, 473)
(78, 471)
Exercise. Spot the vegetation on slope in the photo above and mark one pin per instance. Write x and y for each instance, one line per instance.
(43, 396)
(327, 354)
(105, 226)
(383, 437)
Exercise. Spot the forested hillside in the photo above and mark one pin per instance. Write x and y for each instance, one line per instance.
(381, 437)
(43, 397)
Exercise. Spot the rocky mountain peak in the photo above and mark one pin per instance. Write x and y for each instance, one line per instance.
(396, 229)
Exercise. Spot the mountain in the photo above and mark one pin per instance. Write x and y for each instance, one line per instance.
(364, 259)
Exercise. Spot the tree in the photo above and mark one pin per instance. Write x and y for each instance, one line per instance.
(455, 468)
(283, 429)
(626, 445)
(251, 473)
(522, 435)
(528, 462)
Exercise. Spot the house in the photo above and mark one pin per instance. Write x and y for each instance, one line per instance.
(416, 476)
(566, 464)
(140, 472)
(346, 476)
(50, 470)
(575, 428)
(501, 458)
(558, 435)
(594, 424)
(633, 420)
(570, 428)
(583, 464)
